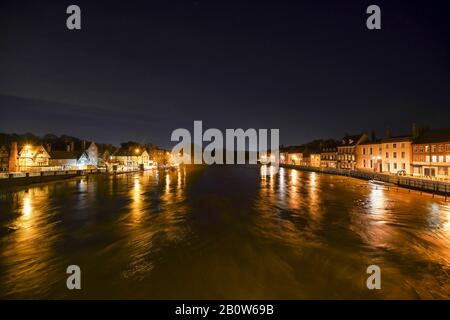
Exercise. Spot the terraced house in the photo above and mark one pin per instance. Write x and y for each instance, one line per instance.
(4, 158)
(346, 151)
(431, 154)
(396, 155)
(368, 156)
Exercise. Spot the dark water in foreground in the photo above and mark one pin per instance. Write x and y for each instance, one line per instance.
(223, 232)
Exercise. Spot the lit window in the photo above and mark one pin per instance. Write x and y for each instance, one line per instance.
(447, 158)
(394, 145)
(403, 155)
(441, 158)
(433, 159)
(395, 166)
(404, 166)
(447, 147)
(433, 148)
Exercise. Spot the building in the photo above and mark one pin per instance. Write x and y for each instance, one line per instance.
(292, 155)
(104, 158)
(346, 151)
(315, 160)
(431, 154)
(328, 156)
(65, 160)
(33, 158)
(396, 155)
(71, 159)
(159, 156)
(368, 156)
(4, 159)
(13, 158)
(131, 158)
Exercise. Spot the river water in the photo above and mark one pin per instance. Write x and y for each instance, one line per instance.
(223, 232)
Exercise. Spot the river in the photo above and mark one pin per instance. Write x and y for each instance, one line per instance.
(222, 232)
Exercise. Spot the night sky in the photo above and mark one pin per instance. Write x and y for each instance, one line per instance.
(137, 70)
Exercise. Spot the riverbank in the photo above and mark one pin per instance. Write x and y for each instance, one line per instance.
(423, 185)
(28, 178)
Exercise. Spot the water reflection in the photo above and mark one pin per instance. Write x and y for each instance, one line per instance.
(245, 232)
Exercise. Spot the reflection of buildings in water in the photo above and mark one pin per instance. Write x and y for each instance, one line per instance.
(82, 185)
(377, 202)
(136, 197)
(27, 208)
(313, 196)
(294, 195)
(28, 249)
(167, 183)
(281, 184)
(446, 213)
(164, 224)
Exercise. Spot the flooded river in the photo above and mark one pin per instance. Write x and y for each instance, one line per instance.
(223, 232)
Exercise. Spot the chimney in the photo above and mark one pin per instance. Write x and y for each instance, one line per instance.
(388, 133)
(373, 135)
(84, 145)
(414, 131)
(13, 157)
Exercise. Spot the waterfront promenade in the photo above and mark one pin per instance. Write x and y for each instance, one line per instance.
(415, 183)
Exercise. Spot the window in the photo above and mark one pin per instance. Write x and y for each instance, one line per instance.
(364, 163)
(394, 145)
(371, 163)
(364, 150)
(433, 159)
(387, 146)
(395, 165)
(387, 155)
(427, 158)
(441, 158)
(370, 150)
(421, 148)
(433, 148)
(440, 148)
(404, 166)
(416, 149)
(447, 158)
(447, 147)
(427, 149)
(395, 155)
(403, 145)
(403, 154)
